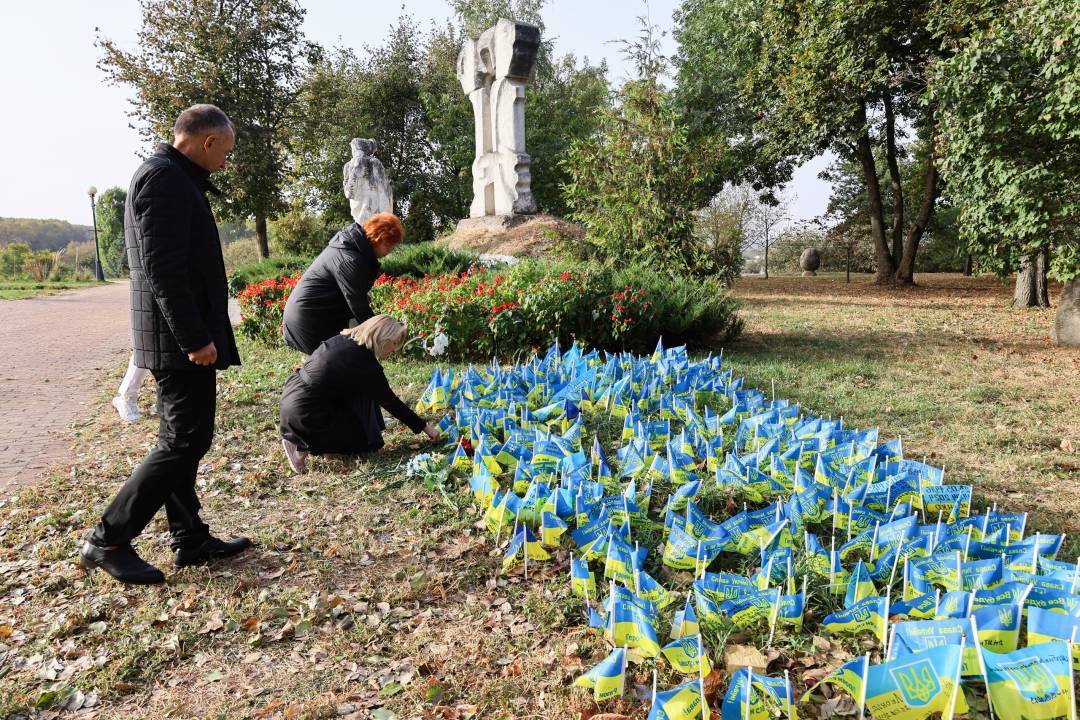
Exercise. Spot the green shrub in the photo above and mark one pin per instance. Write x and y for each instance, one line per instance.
(507, 311)
(273, 267)
(239, 253)
(416, 260)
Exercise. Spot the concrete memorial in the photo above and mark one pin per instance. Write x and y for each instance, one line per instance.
(493, 70)
(366, 183)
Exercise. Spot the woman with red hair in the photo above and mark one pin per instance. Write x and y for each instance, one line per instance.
(334, 290)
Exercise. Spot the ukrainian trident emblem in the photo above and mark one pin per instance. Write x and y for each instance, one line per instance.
(917, 682)
(1032, 679)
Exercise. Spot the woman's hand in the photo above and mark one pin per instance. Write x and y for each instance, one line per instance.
(432, 432)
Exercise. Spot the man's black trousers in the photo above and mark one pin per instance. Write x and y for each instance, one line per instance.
(185, 404)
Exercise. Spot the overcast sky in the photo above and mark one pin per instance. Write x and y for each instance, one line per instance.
(65, 129)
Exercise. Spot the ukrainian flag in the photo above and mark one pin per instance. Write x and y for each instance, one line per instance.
(1047, 626)
(633, 627)
(685, 622)
(1034, 682)
(860, 586)
(551, 528)
(849, 677)
(522, 543)
(867, 614)
(683, 702)
(683, 656)
(460, 460)
(650, 589)
(582, 581)
(770, 693)
(607, 678)
(914, 687)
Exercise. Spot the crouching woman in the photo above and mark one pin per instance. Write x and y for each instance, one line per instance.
(332, 404)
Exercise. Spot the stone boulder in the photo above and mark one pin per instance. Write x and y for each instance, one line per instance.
(810, 261)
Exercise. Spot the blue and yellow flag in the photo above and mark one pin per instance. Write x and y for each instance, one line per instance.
(523, 543)
(552, 528)
(684, 657)
(914, 687)
(582, 580)
(650, 589)
(460, 460)
(607, 678)
(683, 702)
(685, 622)
(867, 614)
(1034, 682)
(860, 586)
(849, 677)
(766, 694)
(633, 625)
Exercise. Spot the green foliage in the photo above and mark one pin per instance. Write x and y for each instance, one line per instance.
(266, 269)
(241, 55)
(1011, 111)
(110, 226)
(301, 232)
(43, 234)
(635, 183)
(239, 253)
(12, 257)
(512, 310)
(416, 260)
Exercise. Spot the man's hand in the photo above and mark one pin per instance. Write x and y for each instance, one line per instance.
(206, 355)
(432, 432)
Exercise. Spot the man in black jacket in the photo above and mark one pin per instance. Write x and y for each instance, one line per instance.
(182, 334)
(334, 289)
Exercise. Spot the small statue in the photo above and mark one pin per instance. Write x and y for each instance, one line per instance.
(366, 184)
(810, 261)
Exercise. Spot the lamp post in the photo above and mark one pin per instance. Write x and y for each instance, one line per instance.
(97, 252)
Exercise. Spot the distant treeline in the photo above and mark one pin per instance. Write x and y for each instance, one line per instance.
(43, 234)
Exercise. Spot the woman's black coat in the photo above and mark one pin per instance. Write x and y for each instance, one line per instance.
(333, 291)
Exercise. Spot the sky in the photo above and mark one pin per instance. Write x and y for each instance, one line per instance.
(65, 129)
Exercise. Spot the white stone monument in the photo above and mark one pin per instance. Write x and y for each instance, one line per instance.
(366, 183)
(494, 70)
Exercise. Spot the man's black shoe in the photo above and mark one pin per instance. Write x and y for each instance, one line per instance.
(122, 562)
(210, 549)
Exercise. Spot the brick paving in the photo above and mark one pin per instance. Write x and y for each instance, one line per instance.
(59, 348)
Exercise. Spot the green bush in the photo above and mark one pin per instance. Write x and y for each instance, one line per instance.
(274, 267)
(416, 260)
(239, 253)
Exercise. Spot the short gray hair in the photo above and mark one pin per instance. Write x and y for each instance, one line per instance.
(200, 119)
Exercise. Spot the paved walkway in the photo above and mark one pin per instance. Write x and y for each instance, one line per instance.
(57, 348)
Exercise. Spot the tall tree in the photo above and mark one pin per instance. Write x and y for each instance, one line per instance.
(813, 75)
(1010, 100)
(636, 183)
(241, 55)
(109, 210)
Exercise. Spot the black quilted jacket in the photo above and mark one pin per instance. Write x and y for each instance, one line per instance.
(332, 291)
(179, 296)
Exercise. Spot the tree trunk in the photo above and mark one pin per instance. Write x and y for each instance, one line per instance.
(260, 235)
(847, 268)
(905, 273)
(766, 254)
(1067, 323)
(1030, 289)
(967, 264)
(886, 269)
(895, 185)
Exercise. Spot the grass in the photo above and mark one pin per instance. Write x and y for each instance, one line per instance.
(19, 289)
(367, 590)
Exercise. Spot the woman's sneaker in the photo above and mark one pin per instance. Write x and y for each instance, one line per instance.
(297, 457)
(128, 411)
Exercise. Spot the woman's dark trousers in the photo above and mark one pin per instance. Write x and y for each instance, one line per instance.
(185, 404)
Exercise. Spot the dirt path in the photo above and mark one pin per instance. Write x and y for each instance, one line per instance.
(58, 349)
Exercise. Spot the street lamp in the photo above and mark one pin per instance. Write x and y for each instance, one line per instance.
(97, 253)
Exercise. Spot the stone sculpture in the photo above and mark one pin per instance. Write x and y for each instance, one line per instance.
(493, 70)
(366, 183)
(810, 261)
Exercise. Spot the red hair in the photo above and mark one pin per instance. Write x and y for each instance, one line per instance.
(384, 229)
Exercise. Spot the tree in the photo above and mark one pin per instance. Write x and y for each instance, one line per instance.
(109, 210)
(636, 183)
(766, 217)
(241, 55)
(1010, 99)
(808, 76)
(12, 258)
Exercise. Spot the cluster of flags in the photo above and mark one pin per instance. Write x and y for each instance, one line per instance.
(831, 505)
